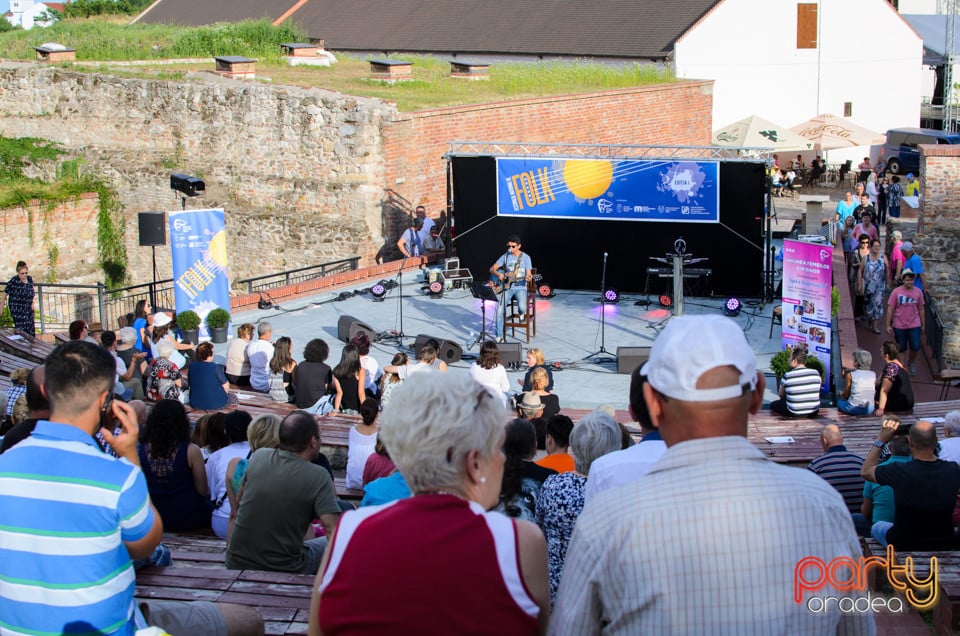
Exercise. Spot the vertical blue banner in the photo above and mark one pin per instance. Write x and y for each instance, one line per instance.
(198, 245)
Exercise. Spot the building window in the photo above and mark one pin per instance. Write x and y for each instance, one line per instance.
(848, 109)
(806, 26)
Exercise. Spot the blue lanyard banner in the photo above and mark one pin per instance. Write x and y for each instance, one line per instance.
(198, 243)
(617, 190)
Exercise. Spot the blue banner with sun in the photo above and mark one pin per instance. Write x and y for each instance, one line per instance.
(617, 190)
(198, 246)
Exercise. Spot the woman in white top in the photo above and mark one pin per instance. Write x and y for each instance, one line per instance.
(857, 396)
(363, 440)
(371, 366)
(488, 371)
(238, 364)
(871, 189)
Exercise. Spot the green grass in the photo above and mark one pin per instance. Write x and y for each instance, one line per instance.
(111, 39)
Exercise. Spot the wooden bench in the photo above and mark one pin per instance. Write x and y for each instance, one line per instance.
(198, 573)
(9, 363)
(946, 614)
(18, 343)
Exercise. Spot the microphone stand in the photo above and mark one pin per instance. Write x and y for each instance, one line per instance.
(595, 357)
(503, 295)
(399, 336)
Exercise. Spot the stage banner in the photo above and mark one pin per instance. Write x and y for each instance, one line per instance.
(198, 245)
(616, 189)
(807, 301)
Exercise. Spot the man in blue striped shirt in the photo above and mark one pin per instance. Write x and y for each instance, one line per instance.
(839, 467)
(72, 517)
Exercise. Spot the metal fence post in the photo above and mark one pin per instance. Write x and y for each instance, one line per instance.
(101, 304)
(40, 303)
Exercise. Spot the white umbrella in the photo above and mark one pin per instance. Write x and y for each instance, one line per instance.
(757, 132)
(829, 131)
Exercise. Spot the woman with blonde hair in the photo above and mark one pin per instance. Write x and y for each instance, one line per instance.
(443, 563)
(550, 401)
(535, 360)
(262, 432)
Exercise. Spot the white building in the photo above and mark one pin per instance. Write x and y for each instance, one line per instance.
(28, 13)
(789, 61)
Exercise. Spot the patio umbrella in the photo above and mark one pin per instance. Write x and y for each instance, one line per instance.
(829, 131)
(757, 132)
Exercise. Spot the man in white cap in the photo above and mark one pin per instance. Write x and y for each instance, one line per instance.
(710, 539)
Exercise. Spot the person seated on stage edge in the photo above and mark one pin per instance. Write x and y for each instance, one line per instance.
(313, 377)
(238, 364)
(799, 388)
(512, 272)
(372, 387)
(894, 388)
(550, 401)
(536, 360)
(856, 398)
(349, 378)
(209, 389)
(426, 361)
(488, 371)
(390, 381)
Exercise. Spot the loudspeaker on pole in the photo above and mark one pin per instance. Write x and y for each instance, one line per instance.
(152, 227)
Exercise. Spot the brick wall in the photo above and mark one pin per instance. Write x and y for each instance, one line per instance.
(938, 240)
(57, 243)
(414, 143)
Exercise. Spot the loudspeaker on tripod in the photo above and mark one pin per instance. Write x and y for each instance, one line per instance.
(447, 350)
(152, 229)
(629, 358)
(348, 327)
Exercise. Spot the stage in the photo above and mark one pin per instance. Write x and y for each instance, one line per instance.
(568, 331)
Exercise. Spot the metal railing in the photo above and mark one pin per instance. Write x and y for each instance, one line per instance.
(292, 276)
(59, 305)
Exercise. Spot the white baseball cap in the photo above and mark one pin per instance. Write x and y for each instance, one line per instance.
(161, 320)
(692, 345)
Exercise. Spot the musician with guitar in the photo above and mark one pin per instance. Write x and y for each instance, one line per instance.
(508, 277)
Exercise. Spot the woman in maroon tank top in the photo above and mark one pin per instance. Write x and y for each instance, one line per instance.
(439, 562)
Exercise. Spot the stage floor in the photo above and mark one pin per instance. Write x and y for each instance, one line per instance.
(568, 331)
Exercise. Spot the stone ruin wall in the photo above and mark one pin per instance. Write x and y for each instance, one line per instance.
(937, 240)
(298, 171)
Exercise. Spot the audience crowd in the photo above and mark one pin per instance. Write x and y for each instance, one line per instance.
(563, 527)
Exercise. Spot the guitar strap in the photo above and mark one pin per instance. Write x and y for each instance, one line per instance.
(516, 266)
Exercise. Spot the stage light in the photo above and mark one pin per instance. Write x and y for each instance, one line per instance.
(545, 290)
(378, 291)
(611, 296)
(666, 300)
(436, 289)
(731, 307)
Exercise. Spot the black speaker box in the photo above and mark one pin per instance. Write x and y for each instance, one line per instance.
(447, 350)
(510, 353)
(348, 327)
(629, 358)
(152, 229)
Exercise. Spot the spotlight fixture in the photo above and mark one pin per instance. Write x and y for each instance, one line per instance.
(545, 290)
(378, 291)
(187, 185)
(666, 300)
(731, 307)
(611, 296)
(436, 287)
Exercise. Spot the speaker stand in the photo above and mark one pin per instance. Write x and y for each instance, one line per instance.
(153, 285)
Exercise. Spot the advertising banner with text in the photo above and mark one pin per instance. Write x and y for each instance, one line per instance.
(616, 189)
(198, 244)
(807, 301)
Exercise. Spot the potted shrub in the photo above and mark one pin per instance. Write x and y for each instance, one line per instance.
(218, 321)
(188, 322)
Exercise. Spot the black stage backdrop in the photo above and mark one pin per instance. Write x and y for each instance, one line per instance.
(569, 253)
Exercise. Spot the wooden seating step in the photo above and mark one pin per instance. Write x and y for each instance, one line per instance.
(20, 344)
(946, 614)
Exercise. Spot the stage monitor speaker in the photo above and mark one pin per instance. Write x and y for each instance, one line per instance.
(152, 229)
(510, 353)
(629, 358)
(447, 350)
(348, 327)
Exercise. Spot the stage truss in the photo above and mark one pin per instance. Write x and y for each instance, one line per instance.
(605, 151)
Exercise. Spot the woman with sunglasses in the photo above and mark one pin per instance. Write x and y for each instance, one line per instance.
(19, 292)
(856, 260)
